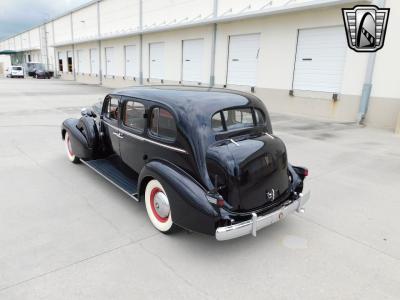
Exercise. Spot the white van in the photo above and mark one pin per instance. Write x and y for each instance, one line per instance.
(15, 71)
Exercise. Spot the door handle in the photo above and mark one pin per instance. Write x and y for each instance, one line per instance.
(118, 135)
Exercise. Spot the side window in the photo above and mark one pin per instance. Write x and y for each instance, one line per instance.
(112, 109)
(162, 124)
(216, 121)
(134, 115)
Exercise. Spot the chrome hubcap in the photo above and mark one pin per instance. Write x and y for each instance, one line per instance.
(161, 204)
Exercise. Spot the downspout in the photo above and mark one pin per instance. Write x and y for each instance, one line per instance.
(99, 43)
(141, 42)
(366, 91)
(213, 43)
(46, 47)
(367, 87)
(55, 52)
(73, 49)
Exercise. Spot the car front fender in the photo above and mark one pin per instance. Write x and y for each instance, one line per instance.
(79, 143)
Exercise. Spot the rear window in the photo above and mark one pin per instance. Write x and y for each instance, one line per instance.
(17, 68)
(237, 118)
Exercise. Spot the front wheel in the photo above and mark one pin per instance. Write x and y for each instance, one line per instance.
(158, 208)
(71, 155)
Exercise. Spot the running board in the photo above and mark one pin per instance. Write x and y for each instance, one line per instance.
(108, 168)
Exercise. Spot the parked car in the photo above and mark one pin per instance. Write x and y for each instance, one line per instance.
(15, 71)
(41, 74)
(38, 70)
(203, 159)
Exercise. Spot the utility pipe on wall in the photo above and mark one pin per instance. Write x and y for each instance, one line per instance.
(73, 48)
(367, 86)
(55, 53)
(213, 44)
(99, 43)
(140, 42)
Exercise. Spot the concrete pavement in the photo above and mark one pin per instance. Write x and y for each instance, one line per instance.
(66, 233)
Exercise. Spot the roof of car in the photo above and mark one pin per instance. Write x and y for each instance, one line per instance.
(188, 98)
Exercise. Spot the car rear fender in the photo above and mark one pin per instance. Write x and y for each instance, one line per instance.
(188, 200)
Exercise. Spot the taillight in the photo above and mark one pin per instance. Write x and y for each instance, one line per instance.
(305, 172)
(220, 202)
(216, 200)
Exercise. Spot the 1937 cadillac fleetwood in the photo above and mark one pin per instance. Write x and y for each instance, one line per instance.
(203, 159)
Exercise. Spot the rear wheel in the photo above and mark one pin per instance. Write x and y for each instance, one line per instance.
(71, 156)
(158, 208)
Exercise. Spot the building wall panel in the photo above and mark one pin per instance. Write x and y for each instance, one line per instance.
(169, 12)
(18, 43)
(25, 40)
(118, 16)
(386, 79)
(34, 37)
(85, 23)
(62, 29)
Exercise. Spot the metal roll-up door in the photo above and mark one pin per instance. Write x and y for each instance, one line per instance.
(244, 51)
(110, 63)
(320, 59)
(94, 61)
(131, 64)
(157, 60)
(192, 60)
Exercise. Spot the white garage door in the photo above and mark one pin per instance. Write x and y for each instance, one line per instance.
(243, 58)
(320, 59)
(131, 64)
(83, 61)
(110, 62)
(80, 62)
(94, 61)
(192, 64)
(157, 60)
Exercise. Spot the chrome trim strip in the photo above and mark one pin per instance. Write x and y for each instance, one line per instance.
(140, 138)
(112, 126)
(255, 223)
(133, 196)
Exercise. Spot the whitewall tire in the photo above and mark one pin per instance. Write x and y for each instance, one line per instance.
(70, 153)
(157, 206)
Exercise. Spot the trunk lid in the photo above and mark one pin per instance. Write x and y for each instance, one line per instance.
(256, 172)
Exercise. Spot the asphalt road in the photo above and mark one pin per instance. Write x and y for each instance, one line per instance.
(66, 233)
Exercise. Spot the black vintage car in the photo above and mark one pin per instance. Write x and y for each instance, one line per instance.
(38, 70)
(203, 159)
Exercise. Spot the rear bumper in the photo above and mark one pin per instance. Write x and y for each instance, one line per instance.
(259, 222)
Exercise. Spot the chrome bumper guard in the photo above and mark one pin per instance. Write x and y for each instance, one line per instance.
(256, 223)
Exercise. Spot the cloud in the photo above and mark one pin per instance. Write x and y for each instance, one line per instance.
(19, 15)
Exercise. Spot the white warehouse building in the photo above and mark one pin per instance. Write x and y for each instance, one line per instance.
(292, 54)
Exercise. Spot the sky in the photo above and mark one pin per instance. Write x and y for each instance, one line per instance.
(19, 15)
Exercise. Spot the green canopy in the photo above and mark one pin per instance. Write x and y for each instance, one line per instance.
(8, 52)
